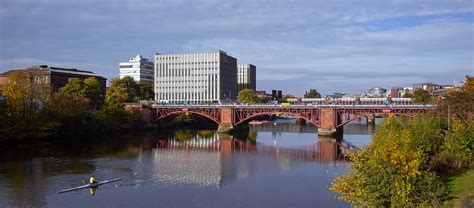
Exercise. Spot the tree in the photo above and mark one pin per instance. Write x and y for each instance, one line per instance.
(458, 103)
(313, 93)
(146, 91)
(88, 88)
(469, 84)
(407, 95)
(71, 112)
(247, 96)
(128, 90)
(459, 145)
(93, 91)
(25, 94)
(74, 85)
(394, 170)
(421, 96)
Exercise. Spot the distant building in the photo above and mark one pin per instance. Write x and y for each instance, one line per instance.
(396, 92)
(378, 92)
(246, 77)
(139, 68)
(59, 77)
(263, 96)
(277, 95)
(209, 77)
(337, 95)
(429, 87)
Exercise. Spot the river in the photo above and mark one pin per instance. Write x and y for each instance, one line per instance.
(279, 164)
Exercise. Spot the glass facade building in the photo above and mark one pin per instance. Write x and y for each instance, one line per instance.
(195, 78)
(246, 77)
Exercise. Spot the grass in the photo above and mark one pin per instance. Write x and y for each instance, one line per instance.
(461, 188)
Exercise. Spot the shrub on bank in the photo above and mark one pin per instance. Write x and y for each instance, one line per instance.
(394, 170)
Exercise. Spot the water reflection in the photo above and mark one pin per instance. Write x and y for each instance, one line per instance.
(31, 174)
(218, 159)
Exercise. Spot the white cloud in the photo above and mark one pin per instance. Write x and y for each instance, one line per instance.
(323, 44)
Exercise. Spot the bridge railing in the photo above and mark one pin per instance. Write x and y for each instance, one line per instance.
(299, 105)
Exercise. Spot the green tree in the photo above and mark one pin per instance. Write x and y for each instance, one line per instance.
(247, 96)
(313, 93)
(93, 91)
(459, 145)
(114, 118)
(74, 85)
(146, 91)
(89, 88)
(421, 96)
(71, 112)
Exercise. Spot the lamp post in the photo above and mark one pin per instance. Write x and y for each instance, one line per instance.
(449, 115)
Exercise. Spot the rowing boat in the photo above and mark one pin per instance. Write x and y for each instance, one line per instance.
(93, 185)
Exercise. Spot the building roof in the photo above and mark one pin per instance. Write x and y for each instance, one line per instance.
(7, 73)
(49, 69)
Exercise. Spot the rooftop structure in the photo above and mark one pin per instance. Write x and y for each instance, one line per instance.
(139, 68)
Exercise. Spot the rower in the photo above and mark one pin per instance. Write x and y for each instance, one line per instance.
(92, 180)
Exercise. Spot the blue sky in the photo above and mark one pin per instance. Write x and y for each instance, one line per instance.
(333, 46)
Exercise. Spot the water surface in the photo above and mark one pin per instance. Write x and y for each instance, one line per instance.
(274, 165)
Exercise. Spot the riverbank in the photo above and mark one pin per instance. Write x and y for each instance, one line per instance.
(461, 189)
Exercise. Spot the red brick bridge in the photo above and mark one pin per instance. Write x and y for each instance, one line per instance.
(328, 119)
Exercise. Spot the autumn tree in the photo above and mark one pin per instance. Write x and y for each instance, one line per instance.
(247, 96)
(313, 93)
(421, 96)
(25, 94)
(128, 90)
(458, 103)
(394, 170)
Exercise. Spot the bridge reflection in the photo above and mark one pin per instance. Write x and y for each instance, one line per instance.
(219, 159)
(325, 150)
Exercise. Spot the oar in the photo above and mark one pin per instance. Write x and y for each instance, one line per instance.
(89, 185)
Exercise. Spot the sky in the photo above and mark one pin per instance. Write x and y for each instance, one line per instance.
(332, 46)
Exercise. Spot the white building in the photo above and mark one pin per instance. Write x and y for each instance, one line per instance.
(246, 77)
(139, 68)
(196, 77)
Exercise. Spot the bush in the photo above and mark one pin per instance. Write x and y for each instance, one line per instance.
(394, 169)
(459, 146)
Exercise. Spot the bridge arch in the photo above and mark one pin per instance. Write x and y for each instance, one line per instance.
(161, 117)
(272, 112)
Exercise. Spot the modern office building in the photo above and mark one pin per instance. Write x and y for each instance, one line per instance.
(209, 77)
(246, 77)
(139, 68)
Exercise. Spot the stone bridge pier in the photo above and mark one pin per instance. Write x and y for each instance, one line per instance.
(227, 120)
(328, 123)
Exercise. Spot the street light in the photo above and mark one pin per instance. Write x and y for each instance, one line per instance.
(449, 113)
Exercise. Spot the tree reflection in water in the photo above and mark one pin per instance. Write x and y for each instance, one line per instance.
(31, 172)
